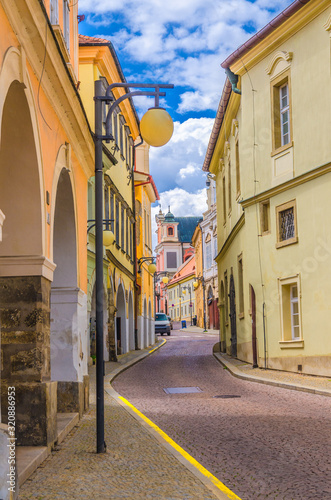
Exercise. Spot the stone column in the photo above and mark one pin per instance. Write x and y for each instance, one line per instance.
(25, 358)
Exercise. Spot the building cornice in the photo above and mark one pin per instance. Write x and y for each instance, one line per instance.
(57, 82)
(230, 238)
(257, 49)
(292, 183)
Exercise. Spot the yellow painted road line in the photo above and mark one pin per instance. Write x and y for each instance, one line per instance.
(157, 347)
(180, 450)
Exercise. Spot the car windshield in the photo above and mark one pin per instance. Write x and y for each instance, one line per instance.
(161, 317)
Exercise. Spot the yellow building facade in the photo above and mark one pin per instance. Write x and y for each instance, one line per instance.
(271, 154)
(145, 194)
(98, 61)
(198, 290)
(46, 159)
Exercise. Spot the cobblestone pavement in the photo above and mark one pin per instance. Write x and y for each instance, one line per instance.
(135, 466)
(268, 443)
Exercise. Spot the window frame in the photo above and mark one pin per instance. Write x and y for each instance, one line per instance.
(265, 228)
(54, 12)
(277, 83)
(66, 23)
(282, 208)
(286, 285)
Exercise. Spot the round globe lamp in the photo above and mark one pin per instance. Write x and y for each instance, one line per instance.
(108, 238)
(195, 284)
(184, 292)
(156, 127)
(165, 280)
(152, 268)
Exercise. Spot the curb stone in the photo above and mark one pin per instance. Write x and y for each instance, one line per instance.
(236, 372)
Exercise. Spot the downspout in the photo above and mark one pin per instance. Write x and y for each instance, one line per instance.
(233, 80)
(203, 286)
(135, 249)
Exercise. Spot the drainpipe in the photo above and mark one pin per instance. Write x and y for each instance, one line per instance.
(233, 80)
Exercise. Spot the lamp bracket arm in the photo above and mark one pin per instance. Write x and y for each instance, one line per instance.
(126, 96)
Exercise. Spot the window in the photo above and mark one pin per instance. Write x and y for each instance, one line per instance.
(117, 222)
(171, 260)
(241, 286)
(122, 228)
(286, 224)
(215, 247)
(229, 184)
(127, 236)
(122, 125)
(148, 230)
(54, 12)
(290, 309)
(284, 115)
(170, 231)
(115, 118)
(281, 110)
(265, 217)
(237, 170)
(66, 23)
(224, 200)
(112, 210)
(208, 258)
(106, 198)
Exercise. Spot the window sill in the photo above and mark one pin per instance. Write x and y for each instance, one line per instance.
(281, 149)
(265, 233)
(291, 344)
(284, 243)
(241, 315)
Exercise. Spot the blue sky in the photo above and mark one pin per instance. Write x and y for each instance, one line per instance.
(181, 42)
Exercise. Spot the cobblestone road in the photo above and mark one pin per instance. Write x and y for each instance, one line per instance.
(269, 443)
(135, 467)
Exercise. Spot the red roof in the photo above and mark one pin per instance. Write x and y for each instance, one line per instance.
(92, 40)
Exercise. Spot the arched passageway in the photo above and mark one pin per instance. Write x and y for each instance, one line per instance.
(131, 324)
(121, 343)
(68, 335)
(25, 275)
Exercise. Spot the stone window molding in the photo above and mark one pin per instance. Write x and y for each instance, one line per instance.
(276, 84)
(286, 214)
(327, 25)
(291, 329)
(278, 56)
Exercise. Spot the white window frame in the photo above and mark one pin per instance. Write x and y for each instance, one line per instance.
(66, 23)
(283, 110)
(208, 255)
(286, 302)
(54, 11)
(294, 300)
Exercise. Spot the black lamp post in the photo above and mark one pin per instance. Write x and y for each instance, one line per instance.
(156, 129)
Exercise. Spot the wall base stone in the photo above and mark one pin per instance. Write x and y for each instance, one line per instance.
(71, 397)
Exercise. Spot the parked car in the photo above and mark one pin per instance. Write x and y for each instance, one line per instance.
(162, 324)
(171, 325)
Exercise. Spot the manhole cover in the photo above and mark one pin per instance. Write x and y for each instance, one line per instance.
(181, 390)
(227, 396)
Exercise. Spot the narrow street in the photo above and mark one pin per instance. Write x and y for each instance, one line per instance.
(260, 441)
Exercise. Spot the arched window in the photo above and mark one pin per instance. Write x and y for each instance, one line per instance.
(170, 231)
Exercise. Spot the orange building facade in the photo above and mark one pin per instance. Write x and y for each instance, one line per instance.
(46, 159)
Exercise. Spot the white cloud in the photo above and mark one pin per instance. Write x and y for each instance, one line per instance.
(184, 41)
(187, 148)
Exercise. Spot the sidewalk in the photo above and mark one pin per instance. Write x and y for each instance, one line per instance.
(287, 380)
(139, 463)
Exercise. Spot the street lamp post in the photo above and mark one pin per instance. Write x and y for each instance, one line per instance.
(156, 129)
(196, 284)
